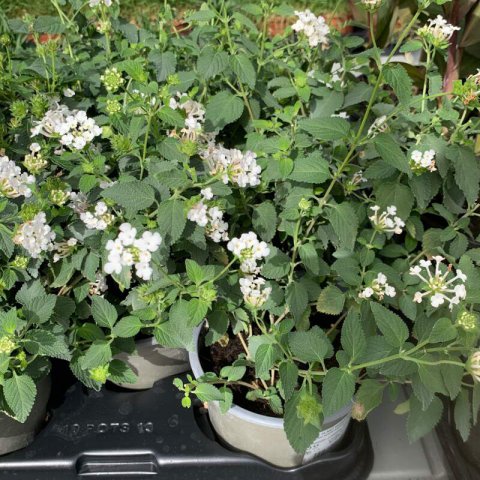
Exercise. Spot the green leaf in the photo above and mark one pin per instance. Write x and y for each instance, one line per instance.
(353, 337)
(211, 63)
(120, 372)
(311, 346)
(463, 415)
(165, 63)
(208, 393)
(388, 148)
(420, 422)
(411, 46)
(265, 220)
(171, 117)
(265, 357)
(311, 169)
(288, 372)
(299, 434)
(327, 129)
(452, 378)
(171, 220)
(98, 353)
(331, 301)
(133, 196)
(390, 324)
(222, 109)
(344, 222)
(127, 327)
(394, 193)
(337, 391)
(277, 265)
(397, 77)
(20, 392)
(39, 309)
(370, 394)
(197, 309)
(48, 24)
(194, 271)
(8, 322)
(244, 70)
(467, 172)
(443, 331)
(233, 373)
(297, 299)
(104, 313)
(6, 243)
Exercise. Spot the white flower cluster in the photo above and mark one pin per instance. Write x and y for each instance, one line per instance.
(96, 3)
(99, 286)
(73, 127)
(387, 221)
(127, 251)
(64, 249)
(195, 115)
(474, 365)
(35, 236)
(371, 5)
(315, 28)
(99, 219)
(379, 287)
(436, 286)
(423, 161)
(209, 217)
(249, 250)
(34, 161)
(255, 294)
(233, 165)
(14, 183)
(378, 126)
(438, 32)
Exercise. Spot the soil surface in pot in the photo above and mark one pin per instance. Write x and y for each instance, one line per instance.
(214, 357)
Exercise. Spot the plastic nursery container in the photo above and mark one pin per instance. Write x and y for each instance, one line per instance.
(265, 436)
(118, 434)
(152, 362)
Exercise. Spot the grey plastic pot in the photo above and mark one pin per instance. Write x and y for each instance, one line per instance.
(15, 435)
(152, 362)
(264, 436)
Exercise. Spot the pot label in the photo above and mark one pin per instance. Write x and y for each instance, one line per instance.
(326, 439)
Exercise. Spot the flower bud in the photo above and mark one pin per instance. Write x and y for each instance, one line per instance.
(7, 345)
(473, 366)
(468, 321)
(99, 374)
(358, 411)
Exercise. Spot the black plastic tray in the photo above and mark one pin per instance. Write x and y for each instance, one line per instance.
(118, 434)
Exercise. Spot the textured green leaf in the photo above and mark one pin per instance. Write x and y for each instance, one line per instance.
(337, 391)
(265, 220)
(311, 346)
(463, 415)
(98, 353)
(391, 153)
(133, 196)
(171, 220)
(288, 372)
(353, 337)
(327, 129)
(244, 70)
(420, 422)
(345, 224)
(222, 109)
(397, 77)
(311, 169)
(390, 324)
(20, 392)
(104, 313)
(265, 357)
(467, 171)
(331, 301)
(211, 63)
(127, 327)
(297, 299)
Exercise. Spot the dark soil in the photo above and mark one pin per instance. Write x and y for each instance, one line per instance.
(215, 357)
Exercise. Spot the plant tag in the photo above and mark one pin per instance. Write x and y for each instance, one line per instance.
(326, 439)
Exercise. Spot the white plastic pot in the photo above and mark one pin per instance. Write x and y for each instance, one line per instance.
(152, 362)
(15, 435)
(264, 436)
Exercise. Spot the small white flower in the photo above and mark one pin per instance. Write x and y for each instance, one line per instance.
(387, 221)
(99, 286)
(68, 92)
(423, 162)
(378, 126)
(437, 285)
(207, 193)
(14, 183)
(313, 27)
(35, 236)
(255, 294)
(438, 32)
(379, 287)
(249, 250)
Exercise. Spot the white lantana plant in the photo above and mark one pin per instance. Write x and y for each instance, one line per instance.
(304, 203)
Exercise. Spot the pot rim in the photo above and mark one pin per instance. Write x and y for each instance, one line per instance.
(247, 415)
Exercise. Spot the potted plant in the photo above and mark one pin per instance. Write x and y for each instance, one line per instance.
(288, 208)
